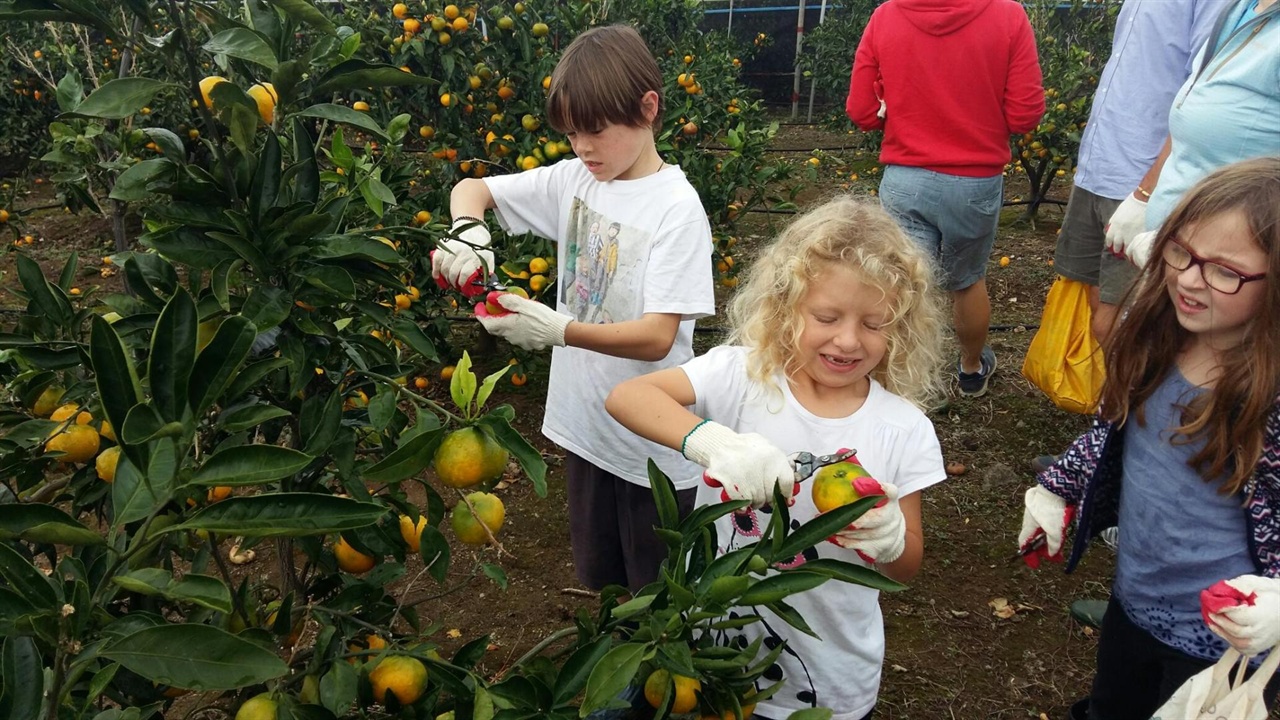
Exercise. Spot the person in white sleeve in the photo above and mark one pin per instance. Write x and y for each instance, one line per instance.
(835, 346)
(626, 297)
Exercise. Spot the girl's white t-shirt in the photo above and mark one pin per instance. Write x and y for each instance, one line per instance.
(624, 248)
(896, 443)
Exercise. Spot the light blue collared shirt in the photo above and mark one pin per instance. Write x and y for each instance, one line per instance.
(1151, 56)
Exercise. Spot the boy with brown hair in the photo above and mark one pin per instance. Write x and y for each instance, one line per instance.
(606, 96)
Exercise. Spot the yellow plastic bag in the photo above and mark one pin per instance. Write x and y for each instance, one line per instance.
(1064, 360)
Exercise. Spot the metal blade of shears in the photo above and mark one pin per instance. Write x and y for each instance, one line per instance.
(806, 463)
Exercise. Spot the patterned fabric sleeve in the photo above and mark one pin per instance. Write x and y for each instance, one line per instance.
(1069, 476)
(1264, 504)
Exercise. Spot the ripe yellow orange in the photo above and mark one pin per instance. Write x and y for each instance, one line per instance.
(350, 559)
(78, 443)
(537, 283)
(207, 85)
(47, 402)
(66, 411)
(404, 677)
(460, 24)
(264, 94)
(260, 707)
(370, 642)
(446, 99)
(1004, 261)
(426, 132)
(421, 383)
(446, 373)
(837, 485)
(519, 379)
(403, 301)
(451, 12)
(444, 38)
(470, 527)
(506, 92)
(411, 25)
(106, 463)
(107, 431)
(400, 10)
(411, 531)
(360, 106)
(539, 265)
(529, 162)
(218, 492)
(685, 697)
(422, 217)
(4, 216)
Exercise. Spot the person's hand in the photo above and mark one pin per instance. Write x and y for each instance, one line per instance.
(1046, 515)
(457, 264)
(1246, 613)
(528, 323)
(880, 535)
(745, 465)
(1139, 248)
(1129, 219)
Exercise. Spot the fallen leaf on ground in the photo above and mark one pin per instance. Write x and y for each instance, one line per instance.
(454, 633)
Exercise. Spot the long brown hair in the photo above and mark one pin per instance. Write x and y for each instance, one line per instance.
(1141, 350)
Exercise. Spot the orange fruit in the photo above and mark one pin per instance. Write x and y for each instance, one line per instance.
(685, 697)
(421, 383)
(422, 217)
(350, 559)
(451, 12)
(470, 527)
(539, 265)
(264, 94)
(469, 456)
(411, 531)
(426, 132)
(412, 26)
(1004, 261)
(370, 642)
(404, 677)
(66, 411)
(400, 10)
(541, 30)
(837, 485)
(47, 403)
(260, 707)
(207, 85)
(537, 283)
(446, 373)
(519, 379)
(106, 463)
(360, 106)
(218, 492)
(460, 24)
(78, 443)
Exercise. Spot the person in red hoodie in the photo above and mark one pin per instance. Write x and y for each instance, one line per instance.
(949, 81)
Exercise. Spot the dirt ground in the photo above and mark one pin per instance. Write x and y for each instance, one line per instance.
(949, 655)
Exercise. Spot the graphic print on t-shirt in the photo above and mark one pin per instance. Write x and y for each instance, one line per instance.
(601, 254)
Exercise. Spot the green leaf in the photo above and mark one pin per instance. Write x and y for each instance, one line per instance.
(306, 184)
(345, 115)
(852, 573)
(380, 191)
(398, 126)
(22, 678)
(250, 465)
(344, 247)
(266, 180)
(266, 307)
(284, 515)
(338, 688)
(187, 247)
(433, 546)
(573, 675)
(120, 98)
(40, 523)
(23, 577)
(611, 676)
(252, 375)
(496, 574)
(811, 714)
(244, 44)
(664, 496)
(173, 352)
(169, 143)
(792, 617)
(243, 418)
(163, 654)
(135, 183)
(724, 589)
(382, 408)
(527, 455)
(408, 332)
(70, 90)
(358, 74)
(44, 298)
(142, 424)
(305, 12)
(487, 385)
(462, 386)
(134, 495)
(202, 590)
(117, 381)
(823, 527)
(217, 365)
(321, 428)
(331, 279)
(777, 587)
(411, 458)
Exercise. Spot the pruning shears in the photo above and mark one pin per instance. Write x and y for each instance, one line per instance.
(492, 283)
(804, 464)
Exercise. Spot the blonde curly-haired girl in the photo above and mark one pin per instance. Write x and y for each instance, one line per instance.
(835, 346)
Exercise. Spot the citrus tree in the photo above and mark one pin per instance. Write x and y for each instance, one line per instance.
(260, 388)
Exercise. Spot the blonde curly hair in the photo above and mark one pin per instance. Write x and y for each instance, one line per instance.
(764, 317)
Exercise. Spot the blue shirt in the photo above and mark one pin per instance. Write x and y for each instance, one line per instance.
(1228, 113)
(1151, 54)
(1178, 535)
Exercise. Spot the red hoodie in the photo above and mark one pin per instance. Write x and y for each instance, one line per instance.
(957, 77)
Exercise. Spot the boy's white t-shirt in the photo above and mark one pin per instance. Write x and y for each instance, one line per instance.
(624, 248)
(895, 443)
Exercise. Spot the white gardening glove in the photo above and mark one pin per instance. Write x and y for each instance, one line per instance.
(1251, 625)
(528, 323)
(456, 264)
(1129, 219)
(745, 465)
(1045, 515)
(880, 535)
(1139, 248)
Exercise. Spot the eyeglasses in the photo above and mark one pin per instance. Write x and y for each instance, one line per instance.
(1217, 276)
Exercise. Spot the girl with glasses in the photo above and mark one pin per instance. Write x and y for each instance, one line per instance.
(1185, 453)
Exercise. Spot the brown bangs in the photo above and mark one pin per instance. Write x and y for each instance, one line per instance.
(601, 79)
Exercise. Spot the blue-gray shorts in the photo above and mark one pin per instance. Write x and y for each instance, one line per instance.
(952, 217)
(1081, 253)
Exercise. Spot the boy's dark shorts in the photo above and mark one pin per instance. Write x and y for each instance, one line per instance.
(611, 525)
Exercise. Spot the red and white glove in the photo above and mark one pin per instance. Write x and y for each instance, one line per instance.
(459, 263)
(1045, 515)
(880, 535)
(1128, 221)
(1244, 611)
(529, 324)
(745, 465)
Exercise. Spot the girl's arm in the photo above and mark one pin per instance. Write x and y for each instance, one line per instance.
(905, 567)
(653, 406)
(649, 338)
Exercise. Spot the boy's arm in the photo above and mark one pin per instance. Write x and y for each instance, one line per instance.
(648, 339)
(457, 263)
(470, 198)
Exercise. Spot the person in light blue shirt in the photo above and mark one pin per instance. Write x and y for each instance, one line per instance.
(1151, 56)
(1224, 113)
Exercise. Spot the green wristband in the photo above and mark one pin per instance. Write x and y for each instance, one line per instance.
(685, 441)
